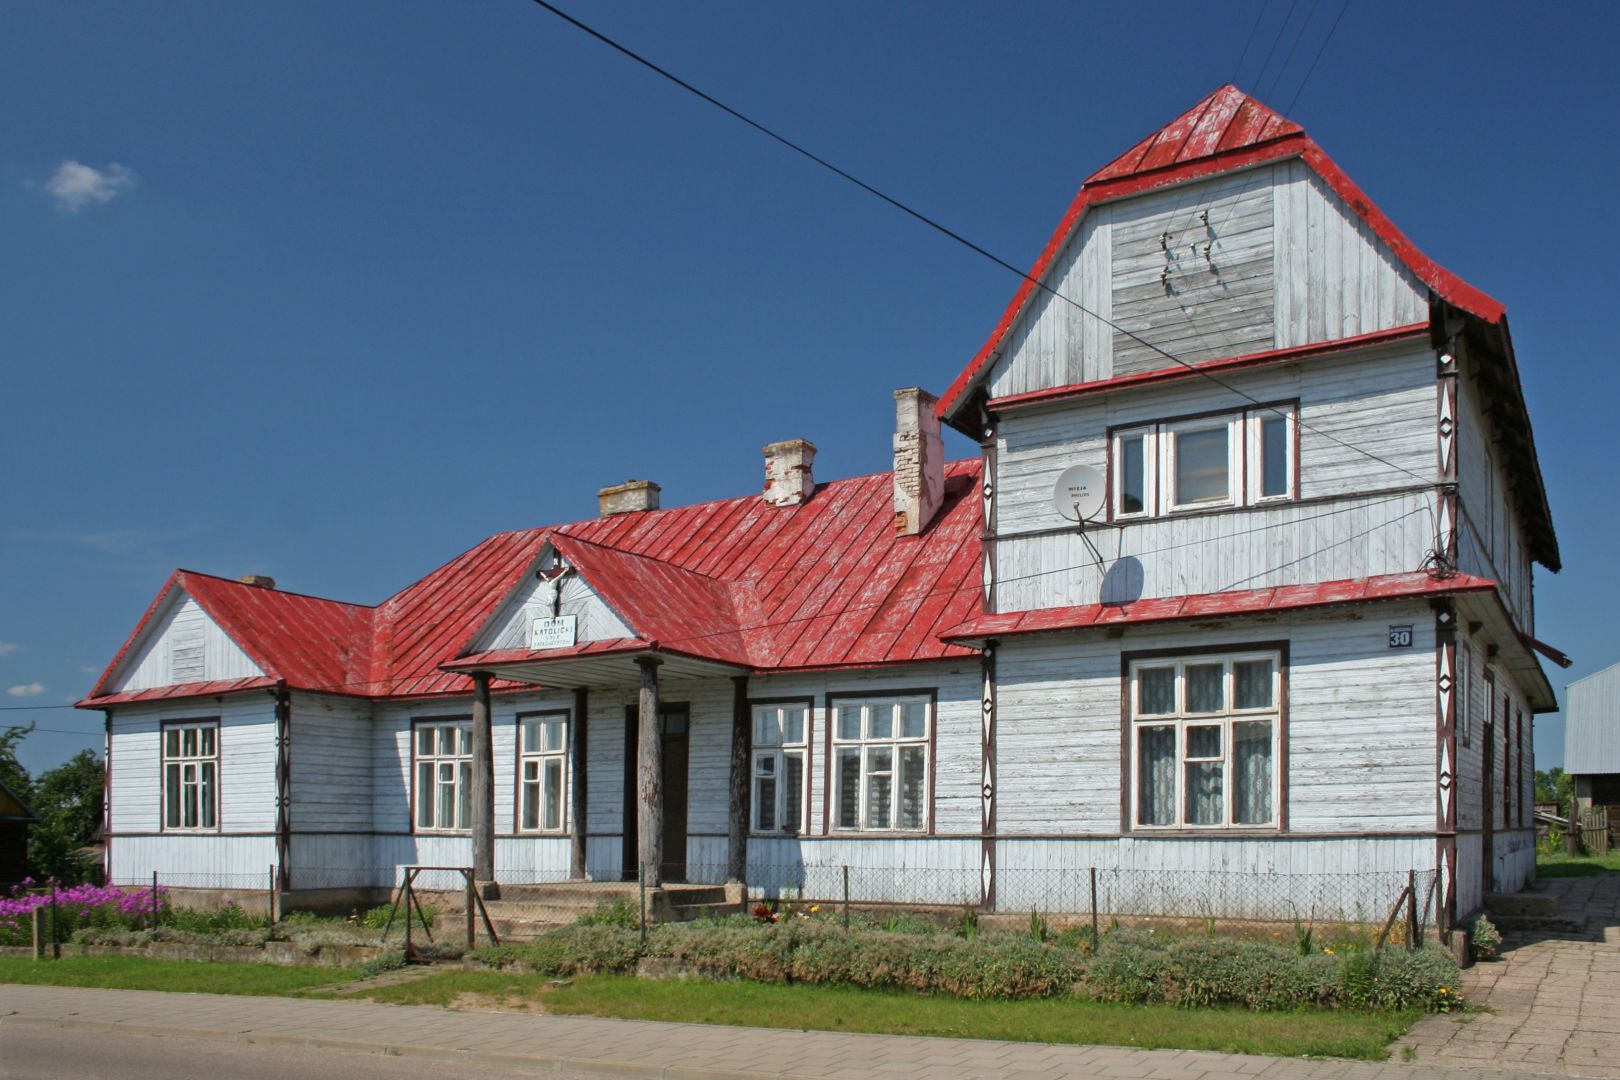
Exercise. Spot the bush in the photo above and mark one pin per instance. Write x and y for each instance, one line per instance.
(1260, 975)
(1484, 938)
(212, 920)
(571, 950)
(619, 912)
(377, 918)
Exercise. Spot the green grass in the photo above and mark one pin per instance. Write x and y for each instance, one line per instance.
(825, 1008)
(179, 976)
(1577, 865)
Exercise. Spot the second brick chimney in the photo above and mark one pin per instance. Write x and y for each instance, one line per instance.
(627, 498)
(789, 479)
(919, 461)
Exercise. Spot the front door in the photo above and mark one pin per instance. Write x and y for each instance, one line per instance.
(673, 721)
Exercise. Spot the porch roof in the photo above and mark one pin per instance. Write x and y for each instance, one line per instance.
(592, 664)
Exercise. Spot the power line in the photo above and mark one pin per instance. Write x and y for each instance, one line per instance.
(1238, 67)
(1312, 69)
(1275, 41)
(951, 233)
(1288, 57)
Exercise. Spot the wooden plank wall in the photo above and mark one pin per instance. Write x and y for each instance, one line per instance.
(509, 629)
(185, 645)
(1288, 265)
(1491, 543)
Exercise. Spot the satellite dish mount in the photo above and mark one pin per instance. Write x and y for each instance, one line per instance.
(1079, 495)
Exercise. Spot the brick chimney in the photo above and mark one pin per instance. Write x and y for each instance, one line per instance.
(627, 498)
(788, 477)
(919, 461)
(258, 581)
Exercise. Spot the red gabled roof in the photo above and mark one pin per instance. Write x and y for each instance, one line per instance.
(1215, 605)
(297, 639)
(1226, 130)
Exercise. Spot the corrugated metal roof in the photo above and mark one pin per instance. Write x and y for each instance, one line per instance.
(1592, 723)
(1215, 605)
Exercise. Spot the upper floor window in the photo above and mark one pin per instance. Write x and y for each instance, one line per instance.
(880, 763)
(542, 750)
(780, 740)
(191, 776)
(443, 792)
(1226, 459)
(1204, 737)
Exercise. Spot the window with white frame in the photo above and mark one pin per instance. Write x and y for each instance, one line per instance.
(191, 776)
(778, 767)
(542, 753)
(880, 763)
(1229, 459)
(443, 775)
(1204, 738)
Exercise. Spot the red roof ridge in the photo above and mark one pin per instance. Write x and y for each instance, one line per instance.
(278, 590)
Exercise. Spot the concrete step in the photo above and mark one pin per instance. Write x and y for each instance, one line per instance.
(1528, 904)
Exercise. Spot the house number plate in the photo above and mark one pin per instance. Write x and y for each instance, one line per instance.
(1400, 637)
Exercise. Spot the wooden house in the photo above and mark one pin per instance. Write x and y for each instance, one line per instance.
(1295, 638)
(1592, 743)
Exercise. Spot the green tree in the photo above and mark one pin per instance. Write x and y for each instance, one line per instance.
(68, 800)
(12, 773)
(1555, 785)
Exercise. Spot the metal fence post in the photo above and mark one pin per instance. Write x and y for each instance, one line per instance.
(1094, 938)
(641, 917)
(472, 931)
(154, 900)
(56, 933)
(410, 872)
(846, 896)
(1411, 911)
(270, 898)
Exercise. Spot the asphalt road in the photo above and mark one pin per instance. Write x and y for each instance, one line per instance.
(32, 1051)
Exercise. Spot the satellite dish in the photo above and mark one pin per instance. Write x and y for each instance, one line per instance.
(1079, 493)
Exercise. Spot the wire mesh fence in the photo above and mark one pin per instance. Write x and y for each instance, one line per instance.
(433, 903)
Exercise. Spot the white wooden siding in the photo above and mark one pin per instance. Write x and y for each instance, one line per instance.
(1361, 751)
(1296, 267)
(1055, 343)
(1175, 297)
(509, 629)
(1376, 401)
(1490, 541)
(332, 764)
(1335, 278)
(183, 645)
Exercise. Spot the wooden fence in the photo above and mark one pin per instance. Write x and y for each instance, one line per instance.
(1595, 830)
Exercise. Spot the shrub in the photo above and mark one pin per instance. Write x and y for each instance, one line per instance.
(570, 950)
(904, 922)
(377, 918)
(1398, 979)
(1484, 938)
(212, 920)
(77, 907)
(619, 912)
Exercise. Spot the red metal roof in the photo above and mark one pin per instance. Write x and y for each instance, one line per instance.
(1226, 130)
(1215, 605)
(823, 584)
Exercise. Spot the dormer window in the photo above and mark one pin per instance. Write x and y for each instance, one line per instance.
(1204, 462)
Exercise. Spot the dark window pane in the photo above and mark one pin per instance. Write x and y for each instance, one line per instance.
(1132, 476)
(1202, 466)
(1273, 456)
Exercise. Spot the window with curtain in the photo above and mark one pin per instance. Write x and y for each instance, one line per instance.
(880, 763)
(1204, 740)
(780, 734)
(443, 792)
(191, 776)
(542, 758)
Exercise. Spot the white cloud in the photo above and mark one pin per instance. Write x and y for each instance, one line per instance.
(75, 186)
(32, 689)
(7, 648)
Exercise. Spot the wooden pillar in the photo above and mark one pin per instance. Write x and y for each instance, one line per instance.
(649, 774)
(483, 788)
(742, 740)
(283, 699)
(577, 773)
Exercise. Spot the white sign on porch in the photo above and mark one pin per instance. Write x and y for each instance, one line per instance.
(555, 633)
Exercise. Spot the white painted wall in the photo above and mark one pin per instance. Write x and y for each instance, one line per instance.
(1378, 401)
(183, 645)
(1490, 539)
(1288, 265)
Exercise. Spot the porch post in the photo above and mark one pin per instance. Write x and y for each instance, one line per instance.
(742, 736)
(483, 789)
(649, 773)
(578, 741)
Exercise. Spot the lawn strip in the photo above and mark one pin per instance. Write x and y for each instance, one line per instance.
(1577, 865)
(1315, 1032)
(175, 976)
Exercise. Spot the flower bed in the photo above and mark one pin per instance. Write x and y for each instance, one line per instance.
(76, 907)
(1125, 967)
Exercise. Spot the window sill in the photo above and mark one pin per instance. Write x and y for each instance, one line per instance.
(1185, 832)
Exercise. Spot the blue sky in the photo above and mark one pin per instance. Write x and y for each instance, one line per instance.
(354, 285)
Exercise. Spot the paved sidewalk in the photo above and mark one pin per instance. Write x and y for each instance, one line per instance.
(641, 1048)
(1553, 1000)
